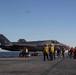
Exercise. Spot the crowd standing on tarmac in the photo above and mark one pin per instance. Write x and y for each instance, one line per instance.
(49, 52)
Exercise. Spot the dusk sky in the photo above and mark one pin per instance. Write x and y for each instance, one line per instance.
(39, 20)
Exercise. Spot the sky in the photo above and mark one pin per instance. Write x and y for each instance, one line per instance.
(36, 20)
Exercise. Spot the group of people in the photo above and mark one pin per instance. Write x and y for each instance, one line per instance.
(49, 49)
(72, 52)
(61, 51)
(49, 52)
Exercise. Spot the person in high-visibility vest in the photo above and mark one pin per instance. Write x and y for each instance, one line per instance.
(52, 52)
(45, 52)
(26, 52)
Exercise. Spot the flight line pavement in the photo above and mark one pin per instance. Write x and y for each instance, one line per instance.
(35, 65)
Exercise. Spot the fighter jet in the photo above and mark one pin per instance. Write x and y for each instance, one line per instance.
(22, 43)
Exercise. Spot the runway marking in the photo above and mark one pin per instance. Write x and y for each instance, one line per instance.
(51, 68)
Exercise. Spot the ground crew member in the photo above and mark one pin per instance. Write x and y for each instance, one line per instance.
(75, 53)
(45, 52)
(58, 51)
(51, 52)
(63, 52)
(71, 52)
(26, 52)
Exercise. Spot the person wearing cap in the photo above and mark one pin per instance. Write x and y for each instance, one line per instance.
(51, 52)
(45, 52)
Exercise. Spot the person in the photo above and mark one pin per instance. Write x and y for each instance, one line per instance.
(52, 52)
(26, 52)
(58, 51)
(75, 53)
(63, 52)
(45, 52)
(71, 52)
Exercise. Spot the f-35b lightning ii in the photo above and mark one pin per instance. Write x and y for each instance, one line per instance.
(31, 45)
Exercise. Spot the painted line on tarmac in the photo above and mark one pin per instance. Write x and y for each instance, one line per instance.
(51, 68)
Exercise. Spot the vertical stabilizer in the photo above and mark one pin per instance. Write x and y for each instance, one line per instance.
(4, 40)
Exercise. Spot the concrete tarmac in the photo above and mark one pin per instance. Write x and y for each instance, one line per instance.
(35, 65)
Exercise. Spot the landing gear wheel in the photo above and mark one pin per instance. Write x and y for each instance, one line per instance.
(21, 55)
